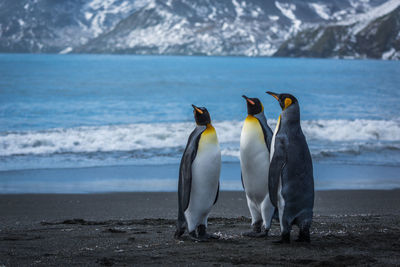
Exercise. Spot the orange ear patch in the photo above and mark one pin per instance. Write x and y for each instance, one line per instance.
(288, 102)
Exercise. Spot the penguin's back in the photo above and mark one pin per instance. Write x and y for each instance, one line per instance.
(299, 168)
(297, 177)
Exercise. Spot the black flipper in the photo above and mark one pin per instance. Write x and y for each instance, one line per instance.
(216, 197)
(185, 177)
(265, 128)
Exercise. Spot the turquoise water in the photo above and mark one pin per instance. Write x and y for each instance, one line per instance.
(64, 112)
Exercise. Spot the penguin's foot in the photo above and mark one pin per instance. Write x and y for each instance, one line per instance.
(203, 235)
(285, 239)
(193, 236)
(255, 234)
(179, 233)
(304, 236)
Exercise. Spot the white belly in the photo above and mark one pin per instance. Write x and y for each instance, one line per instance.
(254, 161)
(205, 177)
(273, 138)
(272, 147)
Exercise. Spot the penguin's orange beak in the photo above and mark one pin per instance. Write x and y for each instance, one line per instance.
(248, 100)
(275, 95)
(197, 109)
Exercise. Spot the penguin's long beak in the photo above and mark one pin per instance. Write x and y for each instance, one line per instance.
(197, 109)
(273, 94)
(248, 100)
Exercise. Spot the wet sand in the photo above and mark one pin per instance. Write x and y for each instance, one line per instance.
(350, 228)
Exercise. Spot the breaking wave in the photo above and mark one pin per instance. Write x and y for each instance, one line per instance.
(326, 138)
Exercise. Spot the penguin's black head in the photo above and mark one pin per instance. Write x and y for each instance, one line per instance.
(201, 115)
(254, 105)
(285, 100)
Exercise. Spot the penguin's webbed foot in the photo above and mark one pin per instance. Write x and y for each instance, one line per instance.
(304, 236)
(203, 235)
(256, 234)
(193, 236)
(285, 239)
(179, 233)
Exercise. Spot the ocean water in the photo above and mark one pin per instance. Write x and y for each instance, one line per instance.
(84, 115)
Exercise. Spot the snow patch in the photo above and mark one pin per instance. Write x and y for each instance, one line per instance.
(151, 5)
(101, 10)
(21, 22)
(321, 10)
(88, 15)
(287, 11)
(252, 39)
(254, 13)
(362, 20)
(238, 8)
(66, 50)
(266, 49)
(274, 18)
(388, 54)
(213, 14)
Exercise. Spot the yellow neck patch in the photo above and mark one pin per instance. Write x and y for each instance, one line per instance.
(277, 124)
(250, 118)
(251, 124)
(209, 136)
(288, 102)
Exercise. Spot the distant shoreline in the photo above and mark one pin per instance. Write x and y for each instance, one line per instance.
(200, 56)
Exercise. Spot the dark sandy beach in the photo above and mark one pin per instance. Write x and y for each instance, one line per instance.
(350, 228)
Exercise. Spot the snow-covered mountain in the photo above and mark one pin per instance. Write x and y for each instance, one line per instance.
(191, 27)
(374, 34)
(54, 25)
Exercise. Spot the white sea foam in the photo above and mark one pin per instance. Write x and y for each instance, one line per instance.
(174, 135)
(355, 130)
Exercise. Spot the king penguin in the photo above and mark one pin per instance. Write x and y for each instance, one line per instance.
(199, 173)
(291, 180)
(255, 144)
